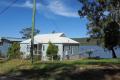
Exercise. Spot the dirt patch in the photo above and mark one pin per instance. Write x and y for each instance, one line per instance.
(94, 72)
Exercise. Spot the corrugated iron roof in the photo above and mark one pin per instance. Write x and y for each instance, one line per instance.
(12, 39)
(54, 38)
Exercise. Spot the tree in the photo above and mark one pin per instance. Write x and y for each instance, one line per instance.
(27, 32)
(100, 13)
(52, 51)
(14, 51)
(111, 38)
(89, 52)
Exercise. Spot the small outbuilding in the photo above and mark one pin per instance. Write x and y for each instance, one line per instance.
(66, 46)
(5, 43)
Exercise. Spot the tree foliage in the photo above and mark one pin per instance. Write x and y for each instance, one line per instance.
(101, 14)
(111, 38)
(27, 32)
(52, 50)
(14, 51)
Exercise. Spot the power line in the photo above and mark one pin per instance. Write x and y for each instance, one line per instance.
(5, 9)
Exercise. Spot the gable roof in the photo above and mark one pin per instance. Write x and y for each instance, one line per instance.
(54, 38)
(50, 35)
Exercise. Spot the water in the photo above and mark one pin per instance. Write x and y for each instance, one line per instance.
(98, 51)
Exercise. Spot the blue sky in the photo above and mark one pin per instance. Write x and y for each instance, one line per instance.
(57, 15)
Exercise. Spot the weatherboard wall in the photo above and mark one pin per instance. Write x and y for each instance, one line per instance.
(4, 48)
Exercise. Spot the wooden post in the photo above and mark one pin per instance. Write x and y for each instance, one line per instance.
(33, 26)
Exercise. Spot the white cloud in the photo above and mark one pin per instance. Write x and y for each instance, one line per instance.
(58, 8)
(55, 6)
(28, 4)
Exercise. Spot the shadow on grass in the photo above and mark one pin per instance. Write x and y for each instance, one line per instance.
(61, 71)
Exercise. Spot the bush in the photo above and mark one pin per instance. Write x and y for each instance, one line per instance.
(89, 52)
(14, 51)
(52, 51)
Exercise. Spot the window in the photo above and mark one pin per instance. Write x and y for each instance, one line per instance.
(43, 47)
(28, 48)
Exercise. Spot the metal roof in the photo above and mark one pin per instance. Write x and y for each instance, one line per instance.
(54, 38)
(12, 39)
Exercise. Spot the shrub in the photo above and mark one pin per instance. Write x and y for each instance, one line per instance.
(89, 52)
(52, 51)
(14, 51)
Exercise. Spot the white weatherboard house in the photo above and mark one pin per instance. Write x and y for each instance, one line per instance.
(66, 46)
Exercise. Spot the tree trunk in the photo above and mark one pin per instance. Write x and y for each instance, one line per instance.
(113, 53)
(89, 55)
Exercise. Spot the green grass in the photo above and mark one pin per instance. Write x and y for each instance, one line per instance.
(7, 66)
(16, 64)
(57, 69)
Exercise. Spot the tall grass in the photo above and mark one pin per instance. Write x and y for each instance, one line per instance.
(16, 64)
(12, 65)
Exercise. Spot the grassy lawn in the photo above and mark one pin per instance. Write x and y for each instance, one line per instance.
(84, 69)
